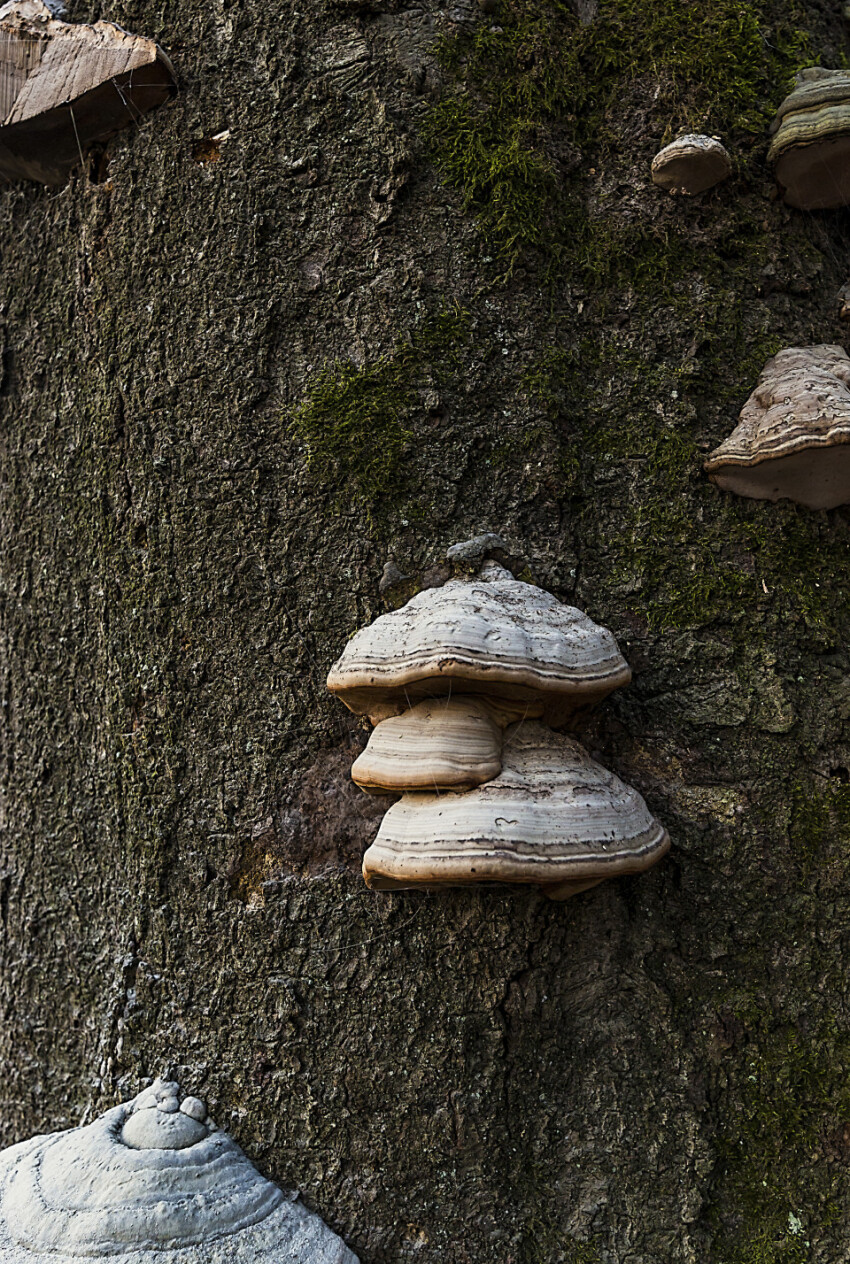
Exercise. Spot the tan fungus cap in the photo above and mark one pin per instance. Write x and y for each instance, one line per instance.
(793, 439)
(65, 86)
(494, 635)
(553, 817)
(691, 165)
(440, 744)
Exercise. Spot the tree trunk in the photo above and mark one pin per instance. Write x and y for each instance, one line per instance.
(379, 279)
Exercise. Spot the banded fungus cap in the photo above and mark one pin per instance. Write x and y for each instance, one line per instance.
(128, 1197)
(65, 86)
(810, 150)
(439, 744)
(495, 636)
(553, 818)
(793, 438)
(691, 164)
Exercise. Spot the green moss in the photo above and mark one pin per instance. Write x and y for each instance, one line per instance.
(357, 421)
(775, 1190)
(534, 89)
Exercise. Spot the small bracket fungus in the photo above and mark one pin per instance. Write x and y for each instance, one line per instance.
(440, 744)
(493, 636)
(151, 1182)
(65, 86)
(691, 165)
(441, 678)
(553, 817)
(810, 151)
(793, 439)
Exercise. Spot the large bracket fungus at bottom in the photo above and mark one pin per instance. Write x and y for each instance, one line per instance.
(442, 679)
(64, 87)
(152, 1181)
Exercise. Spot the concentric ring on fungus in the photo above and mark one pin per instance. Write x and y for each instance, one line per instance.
(553, 818)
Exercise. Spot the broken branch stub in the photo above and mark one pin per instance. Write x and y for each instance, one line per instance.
(65, 87)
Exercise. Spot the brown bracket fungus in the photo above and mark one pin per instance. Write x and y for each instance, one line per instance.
(553, 818)
(793, 439)
(65, 86)
(810, 151)
(691, 165)
(439, 744)
(494, 636)
(440, 678)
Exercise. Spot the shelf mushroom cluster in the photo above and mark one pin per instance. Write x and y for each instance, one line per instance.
(793, 438)
(152, 1181)
(465, 685)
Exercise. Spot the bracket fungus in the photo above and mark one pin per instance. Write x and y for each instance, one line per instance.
(553, 817)
(440, 679)
(439, 744)
(150, 1182)
(691, 164)
(65, 86)
(810, 150)
(494, 636)
(793, 438)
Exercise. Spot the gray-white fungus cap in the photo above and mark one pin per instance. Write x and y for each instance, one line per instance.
(152, 1181)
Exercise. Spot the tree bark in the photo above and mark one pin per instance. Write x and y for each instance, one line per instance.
(271, 340)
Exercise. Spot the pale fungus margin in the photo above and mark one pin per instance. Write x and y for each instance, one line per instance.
(65, 86)
(792, 441)
(441, 678)
(150, 1182)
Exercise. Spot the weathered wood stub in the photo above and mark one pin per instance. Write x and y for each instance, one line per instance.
(65, 86)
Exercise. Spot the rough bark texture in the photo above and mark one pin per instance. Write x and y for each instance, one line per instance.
(198, 334)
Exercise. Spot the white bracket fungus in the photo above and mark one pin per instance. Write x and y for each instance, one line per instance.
(441, 678)
(810, 151)
(151, 1182)
(793, 438)
(691, 165)
(493, 636)
(65, 86)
